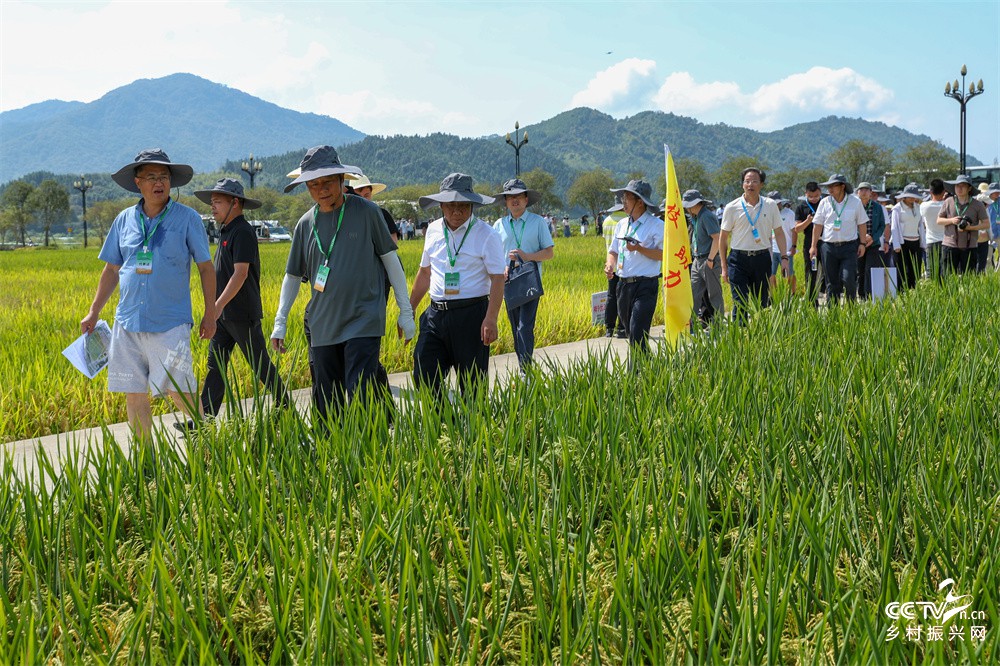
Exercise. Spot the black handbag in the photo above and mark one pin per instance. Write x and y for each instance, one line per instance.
(523, 284)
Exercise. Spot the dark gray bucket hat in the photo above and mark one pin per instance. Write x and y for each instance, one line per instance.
(641, 189)
(318, 162)
(911, 191)
(962, 178)
(692, 198)
(231, 187)
(517, 186)
(456, 188)
(180, 174)
(836, 179)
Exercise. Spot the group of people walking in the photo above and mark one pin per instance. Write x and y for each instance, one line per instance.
(846, 232)
(344, 248)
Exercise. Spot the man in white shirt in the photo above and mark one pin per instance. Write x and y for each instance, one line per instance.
(842, 225)
(749, 221)
(462, 267)
(929, 210)
(636, 255)
(791, 240)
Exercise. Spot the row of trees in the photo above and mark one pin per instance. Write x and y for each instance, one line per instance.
(23, 205)
(857, 160)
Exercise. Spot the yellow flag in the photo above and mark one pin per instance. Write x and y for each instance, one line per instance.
(678, 301)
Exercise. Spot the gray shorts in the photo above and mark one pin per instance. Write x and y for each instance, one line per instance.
(156, 362)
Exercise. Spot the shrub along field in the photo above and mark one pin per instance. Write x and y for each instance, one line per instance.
(762, 496)
(47, 293)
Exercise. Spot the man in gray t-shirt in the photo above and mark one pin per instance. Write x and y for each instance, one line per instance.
(340, 246)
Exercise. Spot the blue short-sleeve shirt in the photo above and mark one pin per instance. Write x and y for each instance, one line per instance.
(161, 300)
(531, 230)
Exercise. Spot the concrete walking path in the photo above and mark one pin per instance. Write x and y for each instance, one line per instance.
(25, 454)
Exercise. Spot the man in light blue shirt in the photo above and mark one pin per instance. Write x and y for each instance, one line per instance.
(526, 237)
(147, 254)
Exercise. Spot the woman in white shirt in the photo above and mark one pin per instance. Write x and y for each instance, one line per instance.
(909, 235)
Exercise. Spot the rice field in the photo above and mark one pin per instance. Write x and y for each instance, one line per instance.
(47, 292)
(770, 494)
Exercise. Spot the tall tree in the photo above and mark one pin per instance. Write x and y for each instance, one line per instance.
(727, 179)
(860, 161)
(50, 202)
(592, 190)
(16, 201)
(101, 214)
(923, 163)
(545, 184)
(792, 183)
(691, 175)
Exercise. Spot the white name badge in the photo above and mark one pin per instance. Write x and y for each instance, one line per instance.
(321, 277)
(144, 263)
(452, 284)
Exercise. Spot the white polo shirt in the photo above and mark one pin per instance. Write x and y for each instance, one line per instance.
(734, 220)
(648, 230)
(477, 251)
(930, 210)
(850, 212)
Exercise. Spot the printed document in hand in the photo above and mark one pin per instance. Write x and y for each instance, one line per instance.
(89, 353)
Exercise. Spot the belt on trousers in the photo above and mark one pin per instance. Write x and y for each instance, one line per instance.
(752, 253)
(701, 256)
(633, 280)
(458, 303)
(847, 242)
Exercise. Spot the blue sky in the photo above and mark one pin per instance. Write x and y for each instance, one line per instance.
(474, 68)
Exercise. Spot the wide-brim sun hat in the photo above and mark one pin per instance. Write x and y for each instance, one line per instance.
(230, 187)
(517, 186)
(362, 181)
(911, 191)
(455, 188)
(641, 189)
(180, 174)
(836, 179)
(992, 187)
(961, 180)
(692, 198)
(319, 162)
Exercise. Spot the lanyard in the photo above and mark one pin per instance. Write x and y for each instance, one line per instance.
(452, 258)
(632, 229)
(333, 240)
(838, 213)
(753, 222)
(811, 208)
(960, 213)
(517, 238)
(146, 237)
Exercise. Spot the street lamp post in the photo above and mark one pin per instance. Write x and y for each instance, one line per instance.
(252, 168)
(83, 185)
(516, 145)
(960, 95)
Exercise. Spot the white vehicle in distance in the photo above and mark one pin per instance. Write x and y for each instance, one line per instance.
(269, 231)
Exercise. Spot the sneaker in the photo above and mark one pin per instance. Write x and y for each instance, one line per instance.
(621, 335)
(609, 333)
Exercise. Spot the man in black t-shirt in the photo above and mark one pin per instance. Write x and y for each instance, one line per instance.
(804, 227)
(237, 278)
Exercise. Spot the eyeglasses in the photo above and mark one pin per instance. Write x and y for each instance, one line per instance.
(153, 180)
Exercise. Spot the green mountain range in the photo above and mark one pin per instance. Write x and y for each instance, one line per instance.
(214, 127)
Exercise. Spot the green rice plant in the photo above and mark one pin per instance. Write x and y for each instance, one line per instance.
(51, 291)
(760, 496)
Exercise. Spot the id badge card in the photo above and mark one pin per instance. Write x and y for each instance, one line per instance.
(321, 276)
(144, 263)
(756, 234)
(836, 224)
(452, 284)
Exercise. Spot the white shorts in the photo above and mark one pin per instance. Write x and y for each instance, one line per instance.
(156, 362)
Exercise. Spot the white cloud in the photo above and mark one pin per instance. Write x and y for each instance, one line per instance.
(619, 87)
(808, 95)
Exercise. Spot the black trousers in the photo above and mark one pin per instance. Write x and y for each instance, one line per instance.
(248, 336)
(611, 321)
(451, 339)
(636, 305)
(910, 264)
(342, 372)
(956, 260)
(982, 253)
